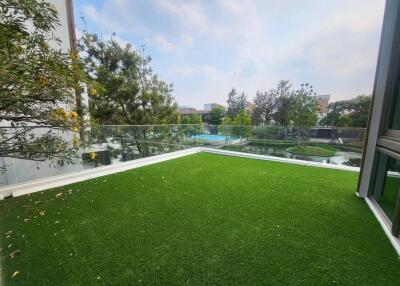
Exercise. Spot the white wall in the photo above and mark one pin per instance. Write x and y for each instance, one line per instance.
(62, 31)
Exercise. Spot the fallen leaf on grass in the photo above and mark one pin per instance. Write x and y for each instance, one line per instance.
(42, 212)
(26, 219)
(15, 274)
(57, 221)
(15, 253)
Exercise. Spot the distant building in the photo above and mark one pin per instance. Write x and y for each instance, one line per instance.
(186, 109)
(323, 104)
(211, 106)
(249, 106)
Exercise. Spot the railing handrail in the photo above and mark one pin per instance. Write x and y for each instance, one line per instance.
(172, 125)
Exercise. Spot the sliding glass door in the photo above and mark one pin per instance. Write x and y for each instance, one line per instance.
(380, 169)
(386, 191)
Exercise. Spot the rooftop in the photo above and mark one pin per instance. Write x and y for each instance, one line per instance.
(200, 219)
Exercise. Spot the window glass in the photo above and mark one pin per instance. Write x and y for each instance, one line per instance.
(394, 118)
(387, 184)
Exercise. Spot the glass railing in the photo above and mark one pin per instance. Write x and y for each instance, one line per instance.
(104, 145)
(340, 146)
(113, 144)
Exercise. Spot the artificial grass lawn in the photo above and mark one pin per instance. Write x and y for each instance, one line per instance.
(201, 219)
(313, 151)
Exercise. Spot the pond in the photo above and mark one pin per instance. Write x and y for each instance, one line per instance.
(346, 158)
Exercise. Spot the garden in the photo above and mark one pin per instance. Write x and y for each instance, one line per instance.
(200, 219)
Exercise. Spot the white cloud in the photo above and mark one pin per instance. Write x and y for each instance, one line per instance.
(208, 72)
(192, 17)
(186, 39)
(162, 44)
(332, 44)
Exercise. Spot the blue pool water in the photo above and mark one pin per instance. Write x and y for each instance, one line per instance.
(211, 137)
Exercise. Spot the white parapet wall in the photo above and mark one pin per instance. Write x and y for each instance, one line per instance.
(58, 181)
(385, 224)
(279, 159)
(65, 179)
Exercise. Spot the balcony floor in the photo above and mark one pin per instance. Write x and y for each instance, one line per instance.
(200, 219)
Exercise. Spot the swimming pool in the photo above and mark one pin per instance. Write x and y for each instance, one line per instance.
(211, 137)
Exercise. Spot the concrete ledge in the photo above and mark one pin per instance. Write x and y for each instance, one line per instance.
(65, 179)
(385, 224)
(279, 159)
(58, 181)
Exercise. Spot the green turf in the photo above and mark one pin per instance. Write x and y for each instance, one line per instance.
(313, 151)
(198, 220)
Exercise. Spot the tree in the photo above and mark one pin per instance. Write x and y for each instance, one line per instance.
(37, 85)
(127, 90)
(235, 102)
(265, 104)
(284, 100)
(226, 126)
(348, 113)
(335, 117)
(242, 124)
(194, 125)
(216, 115)
(359, 108)
(303, 108)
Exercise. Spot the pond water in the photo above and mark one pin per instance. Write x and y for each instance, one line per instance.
(340, 158)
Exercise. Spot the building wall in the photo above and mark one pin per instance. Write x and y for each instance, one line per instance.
(24, 170)
(323, 103)
(62, 31)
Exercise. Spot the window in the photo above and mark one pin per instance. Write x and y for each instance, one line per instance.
(387, 185)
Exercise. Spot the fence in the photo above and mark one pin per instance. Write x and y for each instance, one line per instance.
(119, 143)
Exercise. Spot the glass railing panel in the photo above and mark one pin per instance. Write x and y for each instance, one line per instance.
(113, 144)
(339, 146)
(104, 145)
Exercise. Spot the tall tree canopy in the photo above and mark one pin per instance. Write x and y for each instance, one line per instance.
(37, 84)
(235, 102)
(303, 108)
(265, 104)
(216, 115)
(282, 105)
(127, 90)
(348, 113)
(285, 96)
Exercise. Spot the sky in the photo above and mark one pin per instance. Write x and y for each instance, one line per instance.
(205, 48)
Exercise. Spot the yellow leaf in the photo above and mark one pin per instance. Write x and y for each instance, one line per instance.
(93, 91)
